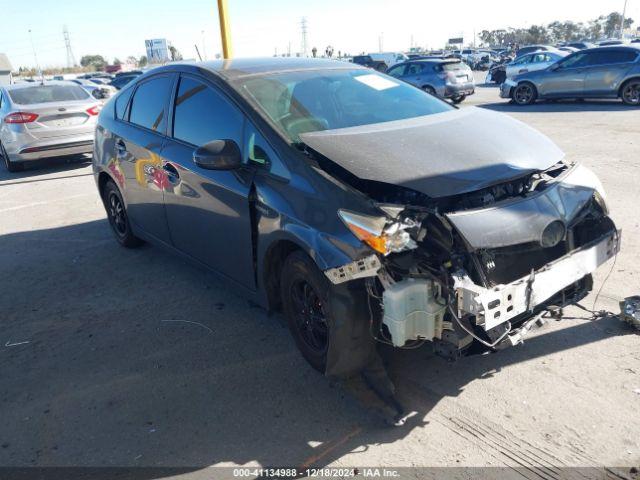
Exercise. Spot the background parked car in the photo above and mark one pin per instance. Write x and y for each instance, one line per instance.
(534, 48)
(367, 61)
(532, 62)
(446, 78)
(601, 72)
(389, 58)
(122, 80)
(100, 91)
(580, 45)
(45, 120)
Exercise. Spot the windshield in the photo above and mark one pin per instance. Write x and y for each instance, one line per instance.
(300, 102)
(47, 94)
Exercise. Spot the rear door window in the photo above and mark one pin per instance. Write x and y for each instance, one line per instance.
(202, 115)
(413, 69)
(149, 104)
(611, 57)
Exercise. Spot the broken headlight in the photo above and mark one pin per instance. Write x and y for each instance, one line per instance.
(382, 234)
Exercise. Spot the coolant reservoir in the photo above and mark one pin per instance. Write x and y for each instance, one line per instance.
(412, 310)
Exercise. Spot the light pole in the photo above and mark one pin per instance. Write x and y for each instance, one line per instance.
(35, 56)
(624, 11)
(225, 33)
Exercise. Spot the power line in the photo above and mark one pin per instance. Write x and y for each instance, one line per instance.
(303, 27)
(71, 60)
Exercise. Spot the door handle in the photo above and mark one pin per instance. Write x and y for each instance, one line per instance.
(172, 173)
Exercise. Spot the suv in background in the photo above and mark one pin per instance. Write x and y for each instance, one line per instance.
(446, 78)
(601, 72)
(367, 61)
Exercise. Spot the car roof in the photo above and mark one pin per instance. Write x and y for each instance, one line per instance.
(612, 48)
(242, 67)
(436, 60)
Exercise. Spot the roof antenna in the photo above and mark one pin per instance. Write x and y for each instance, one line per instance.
(198, 52)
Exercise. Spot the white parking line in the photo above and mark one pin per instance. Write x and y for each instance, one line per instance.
(38, 204)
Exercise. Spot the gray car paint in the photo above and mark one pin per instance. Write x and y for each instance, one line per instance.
(518, 221)
(595, 81)
(439, 155)
(43, 137)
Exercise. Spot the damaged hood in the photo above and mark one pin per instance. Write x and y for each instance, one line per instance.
(439, 155)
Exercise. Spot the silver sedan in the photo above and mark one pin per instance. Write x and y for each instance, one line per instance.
(45, 120)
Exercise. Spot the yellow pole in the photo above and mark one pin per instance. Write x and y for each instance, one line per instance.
(225, 33)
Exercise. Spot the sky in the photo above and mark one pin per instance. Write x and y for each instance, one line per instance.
(118, 28)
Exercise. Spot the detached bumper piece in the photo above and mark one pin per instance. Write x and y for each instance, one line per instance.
(630, 311)
(494, 306)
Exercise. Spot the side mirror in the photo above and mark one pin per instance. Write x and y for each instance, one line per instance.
(554, 67)
(218, 155)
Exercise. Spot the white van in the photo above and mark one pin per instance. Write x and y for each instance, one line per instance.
(390, 58)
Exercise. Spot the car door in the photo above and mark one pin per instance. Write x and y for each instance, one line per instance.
(607, 68)
(518, 66)
(137, 147)
(566, 77)
(413, 74)
(539, 61)
(208, 210)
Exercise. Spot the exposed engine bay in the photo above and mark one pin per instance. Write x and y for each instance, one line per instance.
(477, 267)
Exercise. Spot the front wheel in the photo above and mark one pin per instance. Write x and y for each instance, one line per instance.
(524, 94)
(631, 93)
(117, 215)
(305, 292)
(429, 90)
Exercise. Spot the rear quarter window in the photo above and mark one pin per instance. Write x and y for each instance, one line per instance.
(121, 103)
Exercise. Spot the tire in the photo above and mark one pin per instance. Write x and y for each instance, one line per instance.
(459, 99)
(117, 215)
(305, 292)
(524, 93)
(630, 92)
(11, 167)
(429, 90)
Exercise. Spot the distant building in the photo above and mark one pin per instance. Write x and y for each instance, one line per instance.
(5, 70)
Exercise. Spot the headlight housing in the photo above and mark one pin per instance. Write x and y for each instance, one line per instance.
(383, 235)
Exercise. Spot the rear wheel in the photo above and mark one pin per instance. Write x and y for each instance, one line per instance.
(305, 292)
(630, 93)
(9, 165)
(524, 94)
(117, 215)
(459, 99)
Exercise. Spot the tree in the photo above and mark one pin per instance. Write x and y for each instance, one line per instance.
(142, 61)
(116, 61)
(95, 61)
(131, 60)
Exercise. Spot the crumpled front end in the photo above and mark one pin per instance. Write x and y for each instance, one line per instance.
(483, 266)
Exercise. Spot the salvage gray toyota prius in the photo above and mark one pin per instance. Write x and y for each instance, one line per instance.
(365, 209)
